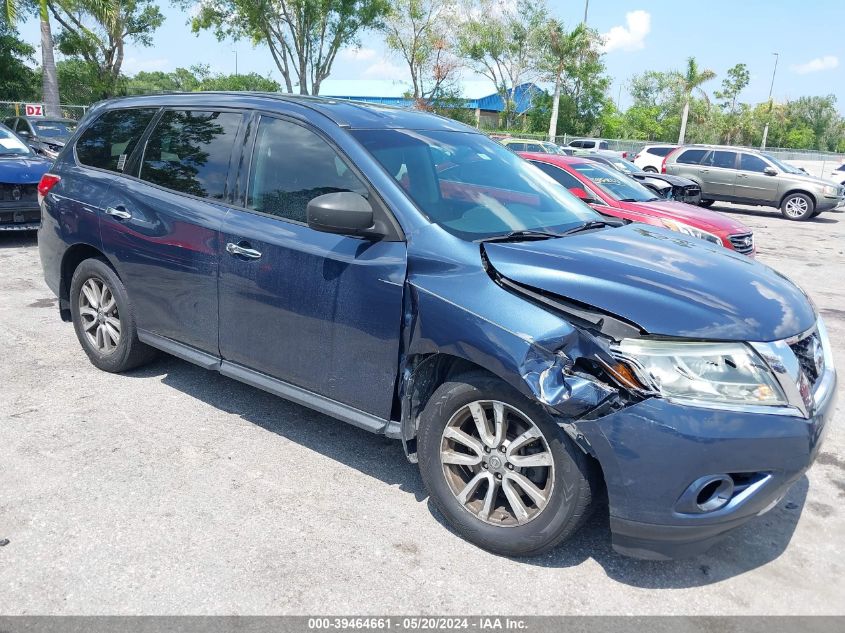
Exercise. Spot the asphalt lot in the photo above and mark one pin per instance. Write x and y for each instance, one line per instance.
(172, 490)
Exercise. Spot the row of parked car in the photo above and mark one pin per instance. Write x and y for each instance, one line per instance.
(408, 275)
(718, 173)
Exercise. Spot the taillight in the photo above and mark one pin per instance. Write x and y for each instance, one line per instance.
(665, 158)
(624, 154)
(47, 182)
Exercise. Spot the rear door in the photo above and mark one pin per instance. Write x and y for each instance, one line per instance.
(162, 226)
(315, 310)
(719, 172)
(752, 183)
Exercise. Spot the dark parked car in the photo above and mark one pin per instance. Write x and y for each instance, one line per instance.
(20, 172)
(46, 136)
(664, 185)
(408, 275)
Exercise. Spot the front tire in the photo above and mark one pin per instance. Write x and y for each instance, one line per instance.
(498, 467)
(706, 203)
(797, 206)
(103, 318)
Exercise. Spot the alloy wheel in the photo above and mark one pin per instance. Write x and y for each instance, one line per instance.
(497, 463)
(796, 207)
(99, 315)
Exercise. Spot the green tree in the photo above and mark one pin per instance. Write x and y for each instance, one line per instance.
(818, 115)
(17, 79)
(691, 81)
(303, 36)
(420, 32)
(560, 54)
(49, 78)
(98, 30)
(502, 44)
(737, 80)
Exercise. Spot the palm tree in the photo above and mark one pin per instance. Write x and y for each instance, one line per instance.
(561, 50)
(49, 77)
(689, 81)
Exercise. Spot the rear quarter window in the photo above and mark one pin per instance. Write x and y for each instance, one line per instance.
(691, 156)
(108, 142)
(659, 151)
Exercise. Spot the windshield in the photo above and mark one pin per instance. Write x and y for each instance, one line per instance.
(471, 186)
(11, 145)
(616, 185)
(551, 148)
(626, 167)
(789, 169)
(54, 129)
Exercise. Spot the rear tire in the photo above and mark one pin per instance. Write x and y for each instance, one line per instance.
(103, 318)
(501, 512)
(797, 206)
(650, 169)
(706, 203)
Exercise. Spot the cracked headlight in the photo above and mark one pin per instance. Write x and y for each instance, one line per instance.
(686, 229)
(708, 373)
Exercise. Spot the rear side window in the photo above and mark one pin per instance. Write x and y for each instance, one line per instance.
(533, 147)
(560, 175)
(750, 162)
(691, 156)
(604, 145)
(575, 144)
(189, 151)
(109, 141)
(725, 160)
(588, 144)
(291, 165)
(660, 151)
(517, 147)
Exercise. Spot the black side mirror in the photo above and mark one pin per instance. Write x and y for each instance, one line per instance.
(344, 213)
(770, 171)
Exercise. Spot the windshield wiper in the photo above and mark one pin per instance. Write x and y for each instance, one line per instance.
(525, 234)
(589, 226)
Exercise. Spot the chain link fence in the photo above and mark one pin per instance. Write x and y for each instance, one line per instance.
(18, 108)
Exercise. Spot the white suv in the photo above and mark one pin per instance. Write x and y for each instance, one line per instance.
(651, 157)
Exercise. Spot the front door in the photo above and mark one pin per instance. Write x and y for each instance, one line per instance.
(752, 183)
(319, 311)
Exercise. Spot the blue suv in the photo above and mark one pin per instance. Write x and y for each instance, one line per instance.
(406, 274)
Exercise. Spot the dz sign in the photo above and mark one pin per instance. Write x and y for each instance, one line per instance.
(34, 109)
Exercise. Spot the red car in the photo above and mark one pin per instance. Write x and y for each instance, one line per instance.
(612, 193)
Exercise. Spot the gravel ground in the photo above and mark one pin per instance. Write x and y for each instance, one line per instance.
(172, 490)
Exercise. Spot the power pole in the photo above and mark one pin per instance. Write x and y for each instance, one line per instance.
(771, 105)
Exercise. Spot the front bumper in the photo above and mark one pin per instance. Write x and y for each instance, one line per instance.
(654, 452)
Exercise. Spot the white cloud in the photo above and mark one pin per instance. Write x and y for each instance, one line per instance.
(828, 62)
(630, 37)
(358, 54)
(385, 69)
(132, 65)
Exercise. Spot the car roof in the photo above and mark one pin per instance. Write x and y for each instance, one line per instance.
(343, 112)
(732, 148)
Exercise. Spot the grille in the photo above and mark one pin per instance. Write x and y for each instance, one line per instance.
(742, 242)
(18, 193)
(808, 351)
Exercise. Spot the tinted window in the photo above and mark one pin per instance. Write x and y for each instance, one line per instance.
(725, 160)
(533, 147)
(604, 145)
(109, 141)
(575, 144)
(616, 185)
(291, 166)
(470, 185)
(588, 144)
(560, 175)
(691, 156)
(750, 162)
(189, 151)
(660, 151)
(517, 147)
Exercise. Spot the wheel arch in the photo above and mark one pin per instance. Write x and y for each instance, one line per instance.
(802, 191)
(71, 259)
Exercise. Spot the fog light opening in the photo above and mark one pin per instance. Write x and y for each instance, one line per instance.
(715, 493)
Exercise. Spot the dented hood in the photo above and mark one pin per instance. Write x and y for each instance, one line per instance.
(663, 283)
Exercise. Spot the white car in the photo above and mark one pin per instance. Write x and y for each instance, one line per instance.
(838, 174)
(650, 157)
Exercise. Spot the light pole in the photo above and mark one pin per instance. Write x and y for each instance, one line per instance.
(586, 9)
(771, 87)
(235, 51)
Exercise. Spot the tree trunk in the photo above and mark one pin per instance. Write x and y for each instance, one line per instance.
(684, 116)
(49, 77)
(555, 110)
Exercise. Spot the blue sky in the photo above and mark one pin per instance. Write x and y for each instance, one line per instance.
(653, 35)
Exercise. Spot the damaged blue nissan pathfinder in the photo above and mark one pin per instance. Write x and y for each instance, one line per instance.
(404, 273)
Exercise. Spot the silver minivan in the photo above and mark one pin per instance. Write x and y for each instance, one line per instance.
(748, 176)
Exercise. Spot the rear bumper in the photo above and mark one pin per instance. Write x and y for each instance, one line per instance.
(20, 217)
(656, 453)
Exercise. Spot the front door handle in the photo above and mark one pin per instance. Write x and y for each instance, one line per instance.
(243, 251)
(118, 212)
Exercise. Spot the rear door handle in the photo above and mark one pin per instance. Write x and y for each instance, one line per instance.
(118, 212)
(243, 251)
